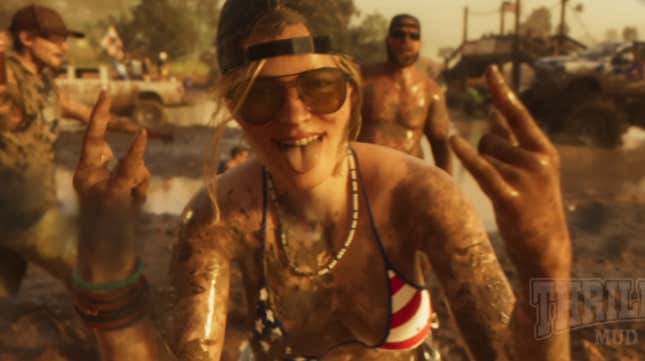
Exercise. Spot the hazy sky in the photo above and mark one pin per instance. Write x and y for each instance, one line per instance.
(442, 19)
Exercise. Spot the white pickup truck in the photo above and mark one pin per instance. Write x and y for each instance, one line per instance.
(143, 100)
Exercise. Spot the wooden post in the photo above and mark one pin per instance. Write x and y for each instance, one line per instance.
(516, 47)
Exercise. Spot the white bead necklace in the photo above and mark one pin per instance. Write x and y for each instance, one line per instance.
(352, 229)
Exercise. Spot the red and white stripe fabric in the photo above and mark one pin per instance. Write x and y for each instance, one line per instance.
(410, 317)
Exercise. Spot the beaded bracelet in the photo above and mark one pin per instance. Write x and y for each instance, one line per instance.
(114, 315)
(80, 283)
(112, 305)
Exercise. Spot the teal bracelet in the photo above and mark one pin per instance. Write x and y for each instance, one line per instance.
(82, 284)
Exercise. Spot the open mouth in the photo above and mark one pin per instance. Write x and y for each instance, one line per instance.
(300, 142)
(302, 153)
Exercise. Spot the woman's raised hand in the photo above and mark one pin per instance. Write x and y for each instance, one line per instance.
(126, 185)
(109, 200)
(519, 169)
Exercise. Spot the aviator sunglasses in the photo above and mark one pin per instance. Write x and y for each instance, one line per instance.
(400, 34)
(323, 91)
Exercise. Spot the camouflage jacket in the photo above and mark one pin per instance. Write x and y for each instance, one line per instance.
(27, 170)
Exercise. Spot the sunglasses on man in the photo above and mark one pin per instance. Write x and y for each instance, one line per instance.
(402, 34)
(323, 91)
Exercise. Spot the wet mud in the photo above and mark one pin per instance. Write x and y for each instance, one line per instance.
(604, 192)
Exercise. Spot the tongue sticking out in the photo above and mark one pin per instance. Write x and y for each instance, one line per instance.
(302, 159)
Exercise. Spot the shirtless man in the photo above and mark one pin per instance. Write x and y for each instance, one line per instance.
(401, 102)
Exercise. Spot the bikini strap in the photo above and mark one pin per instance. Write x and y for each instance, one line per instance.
(388, 264)
(265, 207)
(369, 208)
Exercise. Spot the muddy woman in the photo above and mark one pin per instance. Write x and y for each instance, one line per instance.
(331, 234)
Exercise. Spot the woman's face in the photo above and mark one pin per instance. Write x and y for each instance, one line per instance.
(300, 148)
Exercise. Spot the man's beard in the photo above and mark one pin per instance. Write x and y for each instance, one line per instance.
(401, 60)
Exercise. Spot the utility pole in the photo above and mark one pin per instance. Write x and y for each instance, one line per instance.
(562, 27)
(502, 11)
(516, 47)
(465, 35)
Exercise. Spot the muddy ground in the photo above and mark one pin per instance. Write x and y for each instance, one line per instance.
(604, 192)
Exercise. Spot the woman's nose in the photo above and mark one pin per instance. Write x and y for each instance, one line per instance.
(293, 110)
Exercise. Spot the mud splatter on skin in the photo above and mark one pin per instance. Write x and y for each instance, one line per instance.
(461, 256)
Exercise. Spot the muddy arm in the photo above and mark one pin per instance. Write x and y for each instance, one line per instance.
(518, 168)
(479, 296)
(201, 276)
(107, 250)
(437, 129)
(494, 323)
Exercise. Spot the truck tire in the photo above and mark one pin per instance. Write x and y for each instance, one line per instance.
(596, 122)
(150, 113)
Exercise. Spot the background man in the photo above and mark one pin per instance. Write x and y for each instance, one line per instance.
(31, 226)
(402, 103)
(239, 154)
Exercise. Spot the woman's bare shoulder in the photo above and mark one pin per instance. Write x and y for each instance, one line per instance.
(385, 169)
(238, 197)
(414, 195)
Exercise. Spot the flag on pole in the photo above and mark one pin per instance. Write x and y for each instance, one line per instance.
(112, 43)
(509, 6)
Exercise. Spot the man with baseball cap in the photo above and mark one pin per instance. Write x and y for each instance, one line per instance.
(402, 103)
(31, 106)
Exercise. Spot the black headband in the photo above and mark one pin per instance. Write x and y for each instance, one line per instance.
(301, 45)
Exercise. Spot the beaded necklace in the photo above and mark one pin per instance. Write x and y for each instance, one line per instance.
(352, 229)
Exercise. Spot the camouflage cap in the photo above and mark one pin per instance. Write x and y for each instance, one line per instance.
(44, 20)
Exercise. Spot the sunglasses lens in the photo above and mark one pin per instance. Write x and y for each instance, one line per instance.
(323, 90)
(398, 34)
(264, 100)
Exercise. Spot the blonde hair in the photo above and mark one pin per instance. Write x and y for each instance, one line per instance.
(235, 85)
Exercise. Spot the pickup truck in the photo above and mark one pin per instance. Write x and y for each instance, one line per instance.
(143, 100)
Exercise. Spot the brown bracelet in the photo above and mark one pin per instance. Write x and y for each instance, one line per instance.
(112, 310)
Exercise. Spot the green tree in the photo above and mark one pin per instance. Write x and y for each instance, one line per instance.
(364, 41)
(159, 25)
(368, 39)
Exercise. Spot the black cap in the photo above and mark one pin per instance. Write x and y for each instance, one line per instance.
(404, 20)
(44, 20)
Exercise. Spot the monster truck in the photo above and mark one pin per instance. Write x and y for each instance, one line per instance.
(590, 106)
(143, 100)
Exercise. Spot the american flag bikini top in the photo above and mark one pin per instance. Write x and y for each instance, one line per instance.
(409, 322)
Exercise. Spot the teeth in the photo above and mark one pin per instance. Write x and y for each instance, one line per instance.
(300, 142)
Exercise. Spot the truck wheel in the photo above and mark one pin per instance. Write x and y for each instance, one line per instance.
(150, 114)
(596, 122)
